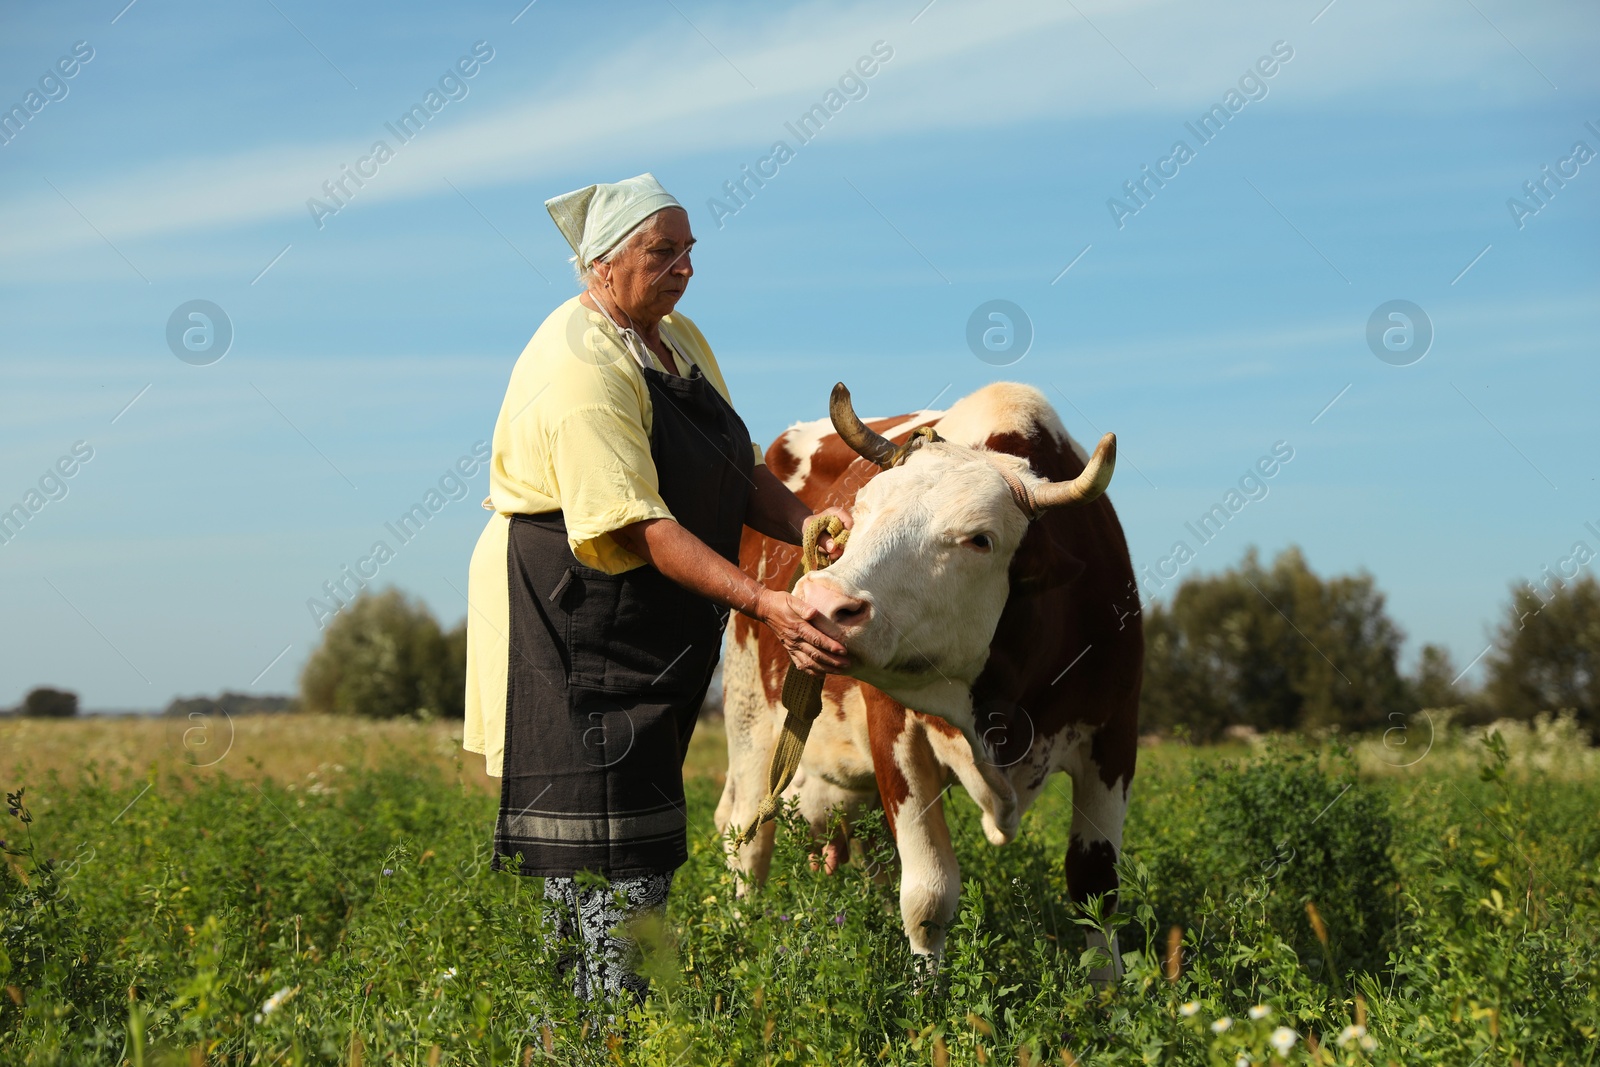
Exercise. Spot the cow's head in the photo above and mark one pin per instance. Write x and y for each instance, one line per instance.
(919, 590)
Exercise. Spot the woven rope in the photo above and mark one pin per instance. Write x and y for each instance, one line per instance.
(802, 692)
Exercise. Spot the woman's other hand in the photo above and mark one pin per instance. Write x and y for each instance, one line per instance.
(829, 546)
(809, 648)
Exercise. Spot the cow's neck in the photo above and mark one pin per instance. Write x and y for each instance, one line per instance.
(952, 702)
(942, 698)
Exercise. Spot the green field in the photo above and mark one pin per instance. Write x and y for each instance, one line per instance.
(320, 894)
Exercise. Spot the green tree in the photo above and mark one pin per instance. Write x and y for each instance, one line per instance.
(1547, 652)
(1276, 648)
(233, 703)
(1433, 683)
(453, 671)
(48, 703)
(384, 657)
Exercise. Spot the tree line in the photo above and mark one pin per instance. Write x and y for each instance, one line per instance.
(1277, 647)
(1272, 647)
(1269, 647)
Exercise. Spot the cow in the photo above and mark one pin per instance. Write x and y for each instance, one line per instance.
(988, 603)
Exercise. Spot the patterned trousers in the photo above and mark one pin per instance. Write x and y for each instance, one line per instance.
(601, 961)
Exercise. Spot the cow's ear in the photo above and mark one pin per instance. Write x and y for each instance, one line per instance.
(1042, 562)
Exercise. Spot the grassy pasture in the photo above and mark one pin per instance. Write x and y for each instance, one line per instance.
(296, 889)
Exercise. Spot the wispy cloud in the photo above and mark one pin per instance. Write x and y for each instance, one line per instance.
(959, 66)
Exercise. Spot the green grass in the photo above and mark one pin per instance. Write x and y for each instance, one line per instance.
(1458, 898)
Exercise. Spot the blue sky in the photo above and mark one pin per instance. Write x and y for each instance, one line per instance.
(975, 164)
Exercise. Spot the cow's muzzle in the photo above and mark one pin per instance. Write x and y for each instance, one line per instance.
(840, 614)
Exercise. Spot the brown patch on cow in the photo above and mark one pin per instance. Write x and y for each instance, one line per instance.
(742, 627)
(1070, 647)
(1115, 748)
(780, 460)
(886, 721)
(837, 686)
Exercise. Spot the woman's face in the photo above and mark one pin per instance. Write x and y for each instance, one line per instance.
(651, 273)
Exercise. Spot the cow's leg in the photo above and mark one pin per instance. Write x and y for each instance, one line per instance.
(911, 784)
(752, 723)
(989, 785)
(997, 798)
(836, 779)
(821, 801)
(948, 710)
(1102, 774)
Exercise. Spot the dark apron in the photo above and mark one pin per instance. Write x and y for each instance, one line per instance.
(607, 672)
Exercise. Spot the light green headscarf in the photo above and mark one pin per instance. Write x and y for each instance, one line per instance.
(593, 219)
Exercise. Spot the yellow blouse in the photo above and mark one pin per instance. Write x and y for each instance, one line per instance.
(573, 434)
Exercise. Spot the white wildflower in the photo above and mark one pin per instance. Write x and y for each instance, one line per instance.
(1242, 1061)
(1350, 1035)
(1283, 1040)
(273, 1003)
(1221, 1025)
(1189, 1010)
(1260, 1011)
(1368, 1042)
(446, 975)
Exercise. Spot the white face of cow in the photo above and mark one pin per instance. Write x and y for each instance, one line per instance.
(919, 590)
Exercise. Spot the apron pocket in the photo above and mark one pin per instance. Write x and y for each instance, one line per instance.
(635, 742)
(637, 633)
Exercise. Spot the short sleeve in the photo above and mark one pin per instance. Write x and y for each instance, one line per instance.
(606, 479)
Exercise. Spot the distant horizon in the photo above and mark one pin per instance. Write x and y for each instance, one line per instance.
(1410, 647)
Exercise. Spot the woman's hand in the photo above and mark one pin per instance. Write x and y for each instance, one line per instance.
(831, 548)
(685, 559)
(809, 648)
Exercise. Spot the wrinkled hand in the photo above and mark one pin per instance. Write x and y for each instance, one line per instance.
(809, 648)
(831, 548)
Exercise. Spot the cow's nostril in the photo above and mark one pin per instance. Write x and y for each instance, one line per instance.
(834, 604)
(851, 611)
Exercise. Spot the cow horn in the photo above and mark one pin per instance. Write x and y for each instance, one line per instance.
(855, 433)
(1086, 486)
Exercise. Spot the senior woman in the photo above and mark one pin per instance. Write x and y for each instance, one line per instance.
(621, 480)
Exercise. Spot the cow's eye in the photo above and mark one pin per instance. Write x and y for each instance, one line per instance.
(980, 542)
